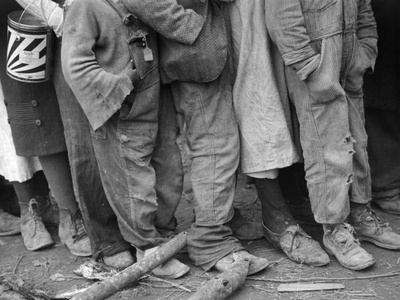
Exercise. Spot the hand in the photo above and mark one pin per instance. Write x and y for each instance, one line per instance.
(131, 71)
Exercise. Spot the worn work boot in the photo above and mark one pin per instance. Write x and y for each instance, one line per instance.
(171, 269)
(339, 241)
(33, 231)
(369, 227)
(256, 264)
(48, 210)
(298, 246)
(73, 234)
(120, 260)
(9, 224)
(243, 229)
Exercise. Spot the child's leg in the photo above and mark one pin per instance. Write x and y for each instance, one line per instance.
(58, 174)
(281, 228)
(71, 229)
(124, 147)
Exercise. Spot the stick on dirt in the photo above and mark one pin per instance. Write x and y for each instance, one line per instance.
(302, 287)
(225, 283)
(133, 273)
(305, 279)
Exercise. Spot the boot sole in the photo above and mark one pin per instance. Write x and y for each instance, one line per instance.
(41, 246)
(84, 254)
(362, 267)
(375, 242)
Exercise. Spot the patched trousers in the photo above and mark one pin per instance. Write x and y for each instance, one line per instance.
(213, 139)
(329, 106)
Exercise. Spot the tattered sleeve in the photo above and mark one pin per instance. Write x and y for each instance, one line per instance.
(168, 18)
(286, 26)
(99, 92)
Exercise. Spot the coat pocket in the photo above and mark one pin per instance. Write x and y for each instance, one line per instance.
(320, 16)
(316, 6)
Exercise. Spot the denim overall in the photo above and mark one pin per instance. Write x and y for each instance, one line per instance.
(340, 36)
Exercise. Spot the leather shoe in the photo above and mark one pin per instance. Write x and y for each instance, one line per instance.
(120, 260)
(256, 264)
(9, 224)
(339, 241)
(171, 269)
(298, 246)
(369, 227)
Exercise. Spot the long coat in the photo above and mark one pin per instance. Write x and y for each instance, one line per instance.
(32, 108)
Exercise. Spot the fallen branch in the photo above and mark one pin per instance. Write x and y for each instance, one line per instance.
(18, 262)
(302, 287)
(133, 273)
(225, 283)
(392, 274)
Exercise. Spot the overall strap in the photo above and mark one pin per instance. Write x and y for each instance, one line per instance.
(127, 17)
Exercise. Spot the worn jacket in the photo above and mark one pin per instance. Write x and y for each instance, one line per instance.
(295, 25)
(95, 50)
(201, 56)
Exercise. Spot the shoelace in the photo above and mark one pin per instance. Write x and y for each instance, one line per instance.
(296, 233)
(345, 233)
(79, 227)
(369, 215)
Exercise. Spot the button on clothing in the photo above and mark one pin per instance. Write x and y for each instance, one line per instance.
(29, 138)
(12, 166)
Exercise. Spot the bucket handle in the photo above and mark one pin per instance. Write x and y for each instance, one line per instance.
(18, 37)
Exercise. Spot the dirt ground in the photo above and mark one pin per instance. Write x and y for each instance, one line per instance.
(52, 270)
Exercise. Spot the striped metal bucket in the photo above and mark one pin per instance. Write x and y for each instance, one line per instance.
(29, 55)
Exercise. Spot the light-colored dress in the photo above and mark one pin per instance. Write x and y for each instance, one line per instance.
(13, 167)
(260, 97)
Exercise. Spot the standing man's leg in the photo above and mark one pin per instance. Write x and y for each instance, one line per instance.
(213, 139)
(100, 220)
(167, 163)
(328, 148)
(124, 147)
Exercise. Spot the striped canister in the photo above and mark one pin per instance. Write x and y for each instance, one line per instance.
(29, 45)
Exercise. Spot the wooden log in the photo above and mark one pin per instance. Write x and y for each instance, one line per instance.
(302, 287)
(225, 283)
(134, 272)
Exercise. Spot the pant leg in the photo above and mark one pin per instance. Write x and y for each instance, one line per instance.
(360, 190)
(100, 220)
(213, 139)
(328, 146)
(167, 163)
(352, 80)
(124, 147)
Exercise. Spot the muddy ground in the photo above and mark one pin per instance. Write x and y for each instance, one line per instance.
(52, 270)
